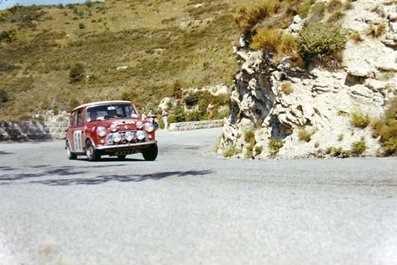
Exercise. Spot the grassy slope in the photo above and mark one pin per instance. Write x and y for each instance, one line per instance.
(165, 44)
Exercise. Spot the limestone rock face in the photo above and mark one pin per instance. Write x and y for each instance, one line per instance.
(281, 104)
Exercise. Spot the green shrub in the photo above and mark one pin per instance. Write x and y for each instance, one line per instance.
(3, 96)
(249, 151)
(249, 136)
(386, 128)
(258, 149)
(337, 152)
(194, 116)
(360, 120)
(76, 73)
(320, 40)
(192, 99)
(357, 148)
(7, 36)
(178, 115)
(231, 151)
(275, 146)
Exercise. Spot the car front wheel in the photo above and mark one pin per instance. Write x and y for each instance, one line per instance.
(150, 154)
(90, 152)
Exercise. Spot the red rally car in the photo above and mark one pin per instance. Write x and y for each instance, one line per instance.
(109, 128)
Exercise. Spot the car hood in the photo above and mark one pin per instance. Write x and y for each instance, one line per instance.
(121, 123)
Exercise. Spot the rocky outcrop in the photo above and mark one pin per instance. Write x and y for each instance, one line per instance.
(279, 103)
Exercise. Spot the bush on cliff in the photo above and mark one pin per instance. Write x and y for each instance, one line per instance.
(386, 128)
(319, 41)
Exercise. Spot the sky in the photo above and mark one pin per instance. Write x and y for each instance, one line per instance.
(10, 3)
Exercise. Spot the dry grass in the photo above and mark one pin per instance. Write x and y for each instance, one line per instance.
(356, 36)
(377, 30)
(286, 87)
(360, 120)
(47, 248)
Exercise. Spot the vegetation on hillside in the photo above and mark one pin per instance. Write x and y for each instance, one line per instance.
(55, 57)
(320, 41)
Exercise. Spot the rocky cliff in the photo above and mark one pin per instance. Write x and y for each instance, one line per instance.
(282, 112)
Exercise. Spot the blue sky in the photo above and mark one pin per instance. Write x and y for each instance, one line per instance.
(9, 3)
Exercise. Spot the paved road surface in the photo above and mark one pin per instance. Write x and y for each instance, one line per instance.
(191, 207)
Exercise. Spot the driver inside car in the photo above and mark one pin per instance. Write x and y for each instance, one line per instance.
(93, 116)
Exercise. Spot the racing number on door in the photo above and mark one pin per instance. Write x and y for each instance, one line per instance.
(77, 135)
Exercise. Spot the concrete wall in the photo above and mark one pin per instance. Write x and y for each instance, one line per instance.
(194, 125)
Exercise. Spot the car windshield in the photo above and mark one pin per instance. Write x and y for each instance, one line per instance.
(113, 111)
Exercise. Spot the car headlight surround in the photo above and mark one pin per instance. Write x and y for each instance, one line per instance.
(149, 127)
(113, 127)
(139, 124)
(140, 135)
(116, 137)
(101, 131)
(129, 135)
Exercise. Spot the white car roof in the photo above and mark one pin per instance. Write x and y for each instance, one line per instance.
(98, 103)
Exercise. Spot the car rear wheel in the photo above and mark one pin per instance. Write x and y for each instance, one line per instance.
(150, 154)
(71, 155)
(90, 152)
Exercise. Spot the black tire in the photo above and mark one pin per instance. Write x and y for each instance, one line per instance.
(90, 152)
(71, 155)
(150, 154)
(121, 157)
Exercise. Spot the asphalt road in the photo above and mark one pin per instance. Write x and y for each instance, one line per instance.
(191, 207)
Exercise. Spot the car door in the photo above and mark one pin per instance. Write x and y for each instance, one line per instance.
(75, 132)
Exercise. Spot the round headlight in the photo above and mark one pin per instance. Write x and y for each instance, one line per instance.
(139, 124)
(129, 135)
(149, 127)
(113, 127)
(116, 137)
(140, 135)
(101, 131)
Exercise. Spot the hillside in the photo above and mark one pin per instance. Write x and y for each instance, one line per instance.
(56, 57)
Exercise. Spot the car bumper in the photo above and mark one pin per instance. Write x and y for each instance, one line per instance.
(124, 148)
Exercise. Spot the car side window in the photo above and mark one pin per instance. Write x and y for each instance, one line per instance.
(71, 119)
(80, 117)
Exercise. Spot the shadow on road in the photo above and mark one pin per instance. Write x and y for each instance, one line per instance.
(121, 178)
(59, 171)
(5, 153)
